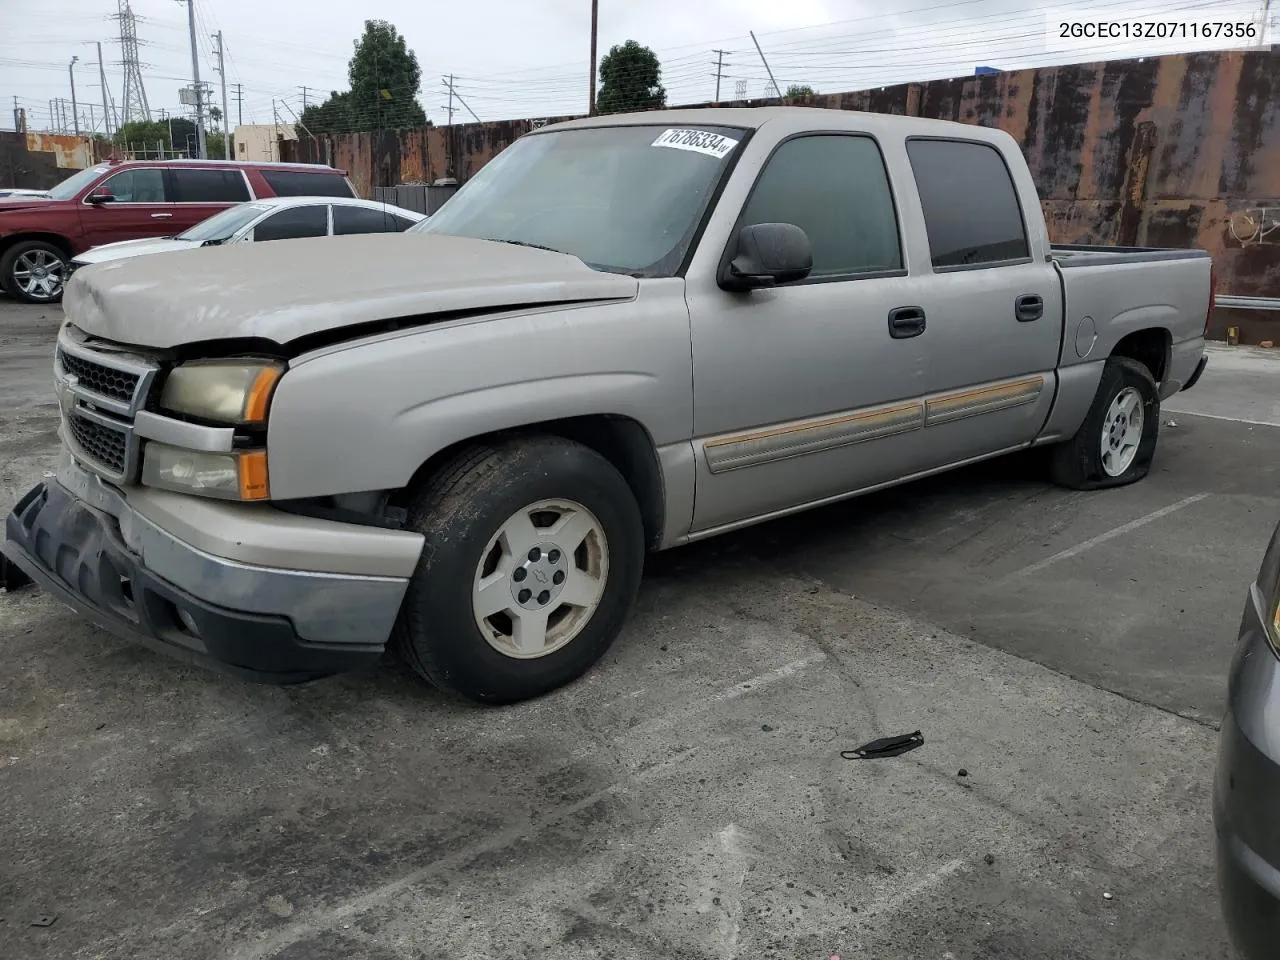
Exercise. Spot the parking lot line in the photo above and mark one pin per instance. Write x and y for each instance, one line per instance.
(1109, 535)
(1219, 416)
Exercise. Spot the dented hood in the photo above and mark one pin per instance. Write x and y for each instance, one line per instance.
(286, 289)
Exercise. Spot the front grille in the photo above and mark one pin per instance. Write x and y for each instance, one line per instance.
(97, 378)
(106, 445)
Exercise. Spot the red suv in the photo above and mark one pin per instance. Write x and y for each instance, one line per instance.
(132, 199)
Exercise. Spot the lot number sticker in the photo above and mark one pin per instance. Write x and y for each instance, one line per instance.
(699, 141)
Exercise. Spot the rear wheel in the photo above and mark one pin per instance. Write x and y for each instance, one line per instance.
(1117, 440)
(533, 554)
(34, 271)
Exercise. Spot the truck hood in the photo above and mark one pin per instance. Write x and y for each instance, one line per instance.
(285, 289)
(134, 248)
(8, 204)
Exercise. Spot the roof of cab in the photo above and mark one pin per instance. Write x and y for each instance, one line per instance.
(794, 118)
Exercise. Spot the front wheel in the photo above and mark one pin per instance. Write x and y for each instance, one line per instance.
(34, 272)
(533, 554)
(1117, 440)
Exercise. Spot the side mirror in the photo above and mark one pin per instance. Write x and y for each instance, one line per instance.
(100, 196)
(768, 254)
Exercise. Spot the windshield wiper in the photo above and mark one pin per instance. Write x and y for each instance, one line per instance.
(523, 243)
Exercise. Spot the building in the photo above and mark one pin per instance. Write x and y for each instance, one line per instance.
(261, 141)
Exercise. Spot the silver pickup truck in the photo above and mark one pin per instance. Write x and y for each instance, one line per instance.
(624, 334)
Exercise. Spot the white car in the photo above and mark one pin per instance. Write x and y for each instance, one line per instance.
(276, 218)
(18, 193)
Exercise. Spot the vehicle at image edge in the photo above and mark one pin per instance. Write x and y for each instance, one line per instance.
(275, 218)
(130, 200)
(19, 193)
(1246, 790)
(459, 442)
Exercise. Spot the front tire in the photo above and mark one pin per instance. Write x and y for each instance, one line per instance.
(532, 561)
(34, 272)
(1117, 440)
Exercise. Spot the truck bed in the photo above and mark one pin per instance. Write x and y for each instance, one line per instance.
(1067, 255)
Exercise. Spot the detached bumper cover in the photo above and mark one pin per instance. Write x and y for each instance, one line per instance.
(77, 554)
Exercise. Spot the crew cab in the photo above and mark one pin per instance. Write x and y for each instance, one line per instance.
(131, 200)
(625, 333)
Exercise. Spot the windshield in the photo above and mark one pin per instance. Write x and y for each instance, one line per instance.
(624, 199)
(225, 224)
(69, 187)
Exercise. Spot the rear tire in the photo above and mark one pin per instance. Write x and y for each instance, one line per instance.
(532, 561)
(34, 272)
(1115, 444)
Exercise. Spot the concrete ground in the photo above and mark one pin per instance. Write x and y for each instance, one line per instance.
(687, 799)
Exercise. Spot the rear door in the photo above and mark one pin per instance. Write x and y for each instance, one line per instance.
(200, 193)
(292, 223)
(139, 207)
(992, 301)
(347, 220)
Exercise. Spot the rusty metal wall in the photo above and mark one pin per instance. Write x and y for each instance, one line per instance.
(1179, 151)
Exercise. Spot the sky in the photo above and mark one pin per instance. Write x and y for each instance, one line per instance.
(529, 58)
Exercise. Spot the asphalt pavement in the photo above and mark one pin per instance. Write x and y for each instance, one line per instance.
(1063, 654)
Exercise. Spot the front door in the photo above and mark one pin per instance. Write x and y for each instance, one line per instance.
(993, 301)
(139, 207)
(808, 390)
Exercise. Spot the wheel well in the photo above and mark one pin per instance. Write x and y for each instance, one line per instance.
(58, 241)
(624, 442)
(1149, 347)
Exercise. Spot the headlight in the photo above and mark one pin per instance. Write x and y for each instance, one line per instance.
(1269, 588)
(224, 391)
(226, 476)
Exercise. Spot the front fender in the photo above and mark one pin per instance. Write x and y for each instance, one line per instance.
(367, 415)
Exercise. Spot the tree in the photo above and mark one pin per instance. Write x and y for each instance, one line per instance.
(800, 91)
(384, 77)
(215, 117)
(630, 79)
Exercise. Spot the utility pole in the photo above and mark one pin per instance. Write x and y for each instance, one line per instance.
(239, 104)
(226, 118)
(777, 91)
(591, 83)
(275, 140)
(719, 70)
(448, 81)
(102, 78)
(201, 153)
(75, 116)
(93, 121)
(304, 90)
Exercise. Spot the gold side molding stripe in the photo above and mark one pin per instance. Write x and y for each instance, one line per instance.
(816, 436)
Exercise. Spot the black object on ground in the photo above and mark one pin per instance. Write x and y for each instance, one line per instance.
(885, 747)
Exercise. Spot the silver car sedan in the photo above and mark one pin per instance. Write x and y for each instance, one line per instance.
(277, 218)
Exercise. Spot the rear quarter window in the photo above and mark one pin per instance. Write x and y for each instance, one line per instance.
(301, 183)
(971, 209)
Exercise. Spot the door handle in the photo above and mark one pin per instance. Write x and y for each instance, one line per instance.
(1028, 307)
(161, 216)
(906, 322)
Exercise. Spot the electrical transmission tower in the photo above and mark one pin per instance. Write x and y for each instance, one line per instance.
(134, 102)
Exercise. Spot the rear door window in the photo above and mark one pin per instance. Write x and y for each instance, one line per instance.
(364, 220)
(296, 222)
(301, 183)
(971, 209)
(140, 185)
(208, 186)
